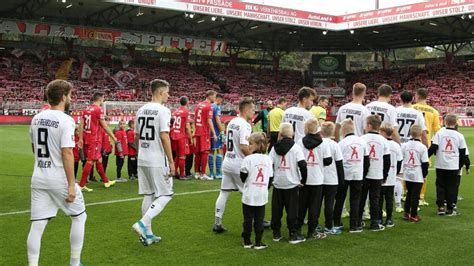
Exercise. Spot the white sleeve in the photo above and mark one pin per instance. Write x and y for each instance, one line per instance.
(421, 121)
(339, 116)
(271, 167)
(462, 143)
(244, 168)
(435, 139)
(424, 155)
(67, 134)
(165, 120)
(386, 148)
(399, 152)
(366, 113)
(393, 118)
(299, 154)
(245, 132)
(338, 153)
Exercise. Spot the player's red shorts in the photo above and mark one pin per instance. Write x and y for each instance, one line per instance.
(180, 146)
(203, 143)
(92, 151)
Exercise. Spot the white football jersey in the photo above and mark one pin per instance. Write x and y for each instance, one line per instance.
(314, 162)
(407, 117)
(386, 111)
(353, 150)
(286, 173)
(297, 116)
(449, 142)
(414, 154)
(378, 146)
(395, 157)
(151, 120)
(357, 112)
(259, 169)
(50, 131)
(330, 171)
(238, 132)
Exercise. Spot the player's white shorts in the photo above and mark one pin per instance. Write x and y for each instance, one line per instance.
(46, 202)
(231, 181)
(154, 180)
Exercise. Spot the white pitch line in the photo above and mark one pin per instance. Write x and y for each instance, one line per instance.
(118, 201)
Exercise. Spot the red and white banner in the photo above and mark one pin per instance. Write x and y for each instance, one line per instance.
(116, 36)
(86, 71)
(466, 122)
(122, 78)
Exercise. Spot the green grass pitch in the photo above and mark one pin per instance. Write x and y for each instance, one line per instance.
(185, 226)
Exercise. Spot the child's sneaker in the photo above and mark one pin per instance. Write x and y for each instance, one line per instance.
(332, 231)
(376, 227)
(277, 236)
(441, 211)
(389, 224)
(296, 239)
(399, 210)
(415, 219)
(248, 243)
(406, 216)
(355, 230)
(260, 246)
(452, 213)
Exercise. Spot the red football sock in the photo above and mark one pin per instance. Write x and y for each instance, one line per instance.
(85, 173)
(197, 162)
(204, 158)
(100, 170)
(181, 163)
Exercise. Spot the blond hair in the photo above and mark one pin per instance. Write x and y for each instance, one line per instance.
(450, 120)
(327, 129)
(286, 130)
(387, 129)
(347, 126)
(359, 89)
(311, 126)
(260, 139)
(415, 131)
(374, 121)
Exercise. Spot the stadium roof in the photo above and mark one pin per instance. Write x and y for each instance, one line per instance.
(259, 26)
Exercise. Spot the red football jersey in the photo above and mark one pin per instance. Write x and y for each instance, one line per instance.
(131, 138)
(92, 115)
(75, 150)
(121, 136)
(180, 118)
(202, 113)
(105, 140)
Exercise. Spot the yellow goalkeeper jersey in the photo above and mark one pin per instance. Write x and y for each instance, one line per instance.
(431, 116)
(319, 112)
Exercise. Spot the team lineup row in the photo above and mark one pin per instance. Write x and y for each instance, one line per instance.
(302, 157)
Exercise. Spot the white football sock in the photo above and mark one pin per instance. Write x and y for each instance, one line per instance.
(220, 205)
(155, 208)
(34, 241)
(76, 237)
(398, 193)
(147, 201)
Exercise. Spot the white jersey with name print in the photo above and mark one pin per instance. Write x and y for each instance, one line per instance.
(314, 162)
(286, 173)
(386, 111)
(259, 169)
(407, 117)
(330, 171)
(449, 142)
(357, 112)
(378, 146)
(297, 116)
(238, 132)
(151, 120)
(414, 154)
(395, 157)
(50, 131)
(353, 150)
